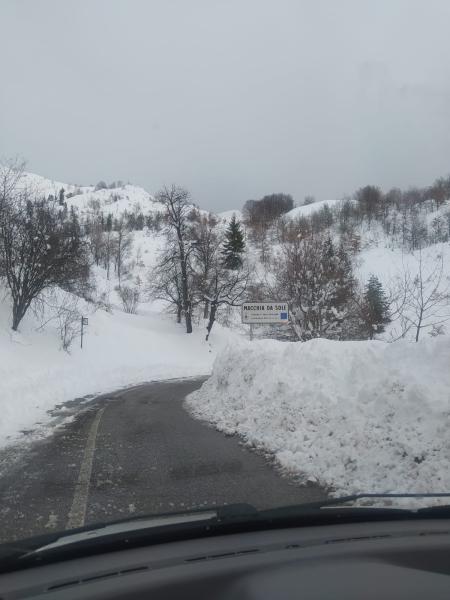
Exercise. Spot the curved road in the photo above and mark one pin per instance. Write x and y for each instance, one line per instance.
(133, 452)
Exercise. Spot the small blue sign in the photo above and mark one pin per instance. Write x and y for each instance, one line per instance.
(283, 316)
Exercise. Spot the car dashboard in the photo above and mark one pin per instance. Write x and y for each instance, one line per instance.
(407, 559)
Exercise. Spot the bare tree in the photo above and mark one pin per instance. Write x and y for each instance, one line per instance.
(37, 249)
(168, 287)
(62, 308)
(11, 174)
(317, 280)
(227, 287)
(165, 281)
(206, 245)
(428, 298)
(96, 239)
(397, 297)
(122, 248)
(176, 202)
(69, 322)
(108, 245)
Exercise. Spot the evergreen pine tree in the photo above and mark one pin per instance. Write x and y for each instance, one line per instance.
(376, 309)
(234, 245)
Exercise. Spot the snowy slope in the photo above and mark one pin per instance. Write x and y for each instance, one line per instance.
(47, 186)
(390, 265)
(119, 350)
(354, 416)
(116, 201)
(309, 209)
(111, 200)
(227, 215)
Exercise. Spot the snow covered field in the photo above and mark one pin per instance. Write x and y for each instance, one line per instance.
(353, 416)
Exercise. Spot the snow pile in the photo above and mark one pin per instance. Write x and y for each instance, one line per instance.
(354, 416)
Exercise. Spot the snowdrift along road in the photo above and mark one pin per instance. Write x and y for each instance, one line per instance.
(354, 416)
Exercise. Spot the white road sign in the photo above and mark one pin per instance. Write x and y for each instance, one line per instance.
(265, 312)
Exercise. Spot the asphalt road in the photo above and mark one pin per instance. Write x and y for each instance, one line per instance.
(133, 452)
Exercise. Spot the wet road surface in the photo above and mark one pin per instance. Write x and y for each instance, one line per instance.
(136, 451)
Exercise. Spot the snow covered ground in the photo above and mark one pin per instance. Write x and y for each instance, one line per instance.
(353, 416)
(119, 350)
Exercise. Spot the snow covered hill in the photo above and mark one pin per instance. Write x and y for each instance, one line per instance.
(122, 197)
(308, 209)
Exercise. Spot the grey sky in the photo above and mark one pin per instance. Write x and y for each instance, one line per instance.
(231, 98)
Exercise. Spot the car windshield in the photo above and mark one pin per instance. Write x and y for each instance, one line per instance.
(224, 257)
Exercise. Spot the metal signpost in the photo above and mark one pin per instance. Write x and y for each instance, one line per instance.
(264, 313)
(84, 322)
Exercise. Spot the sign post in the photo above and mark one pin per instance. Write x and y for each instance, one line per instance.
(84, 321)
(264, 313)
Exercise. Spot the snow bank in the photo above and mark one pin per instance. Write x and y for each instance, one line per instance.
(354, 416)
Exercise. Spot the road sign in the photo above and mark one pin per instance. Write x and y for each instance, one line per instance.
(84, 322)
(265, 312)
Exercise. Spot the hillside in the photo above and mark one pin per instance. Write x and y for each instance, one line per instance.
(119, 349)
(308, 209)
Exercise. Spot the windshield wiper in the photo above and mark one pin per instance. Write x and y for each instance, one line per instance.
(367, 504)
(235, 518)
(342, 500)
(125, 533)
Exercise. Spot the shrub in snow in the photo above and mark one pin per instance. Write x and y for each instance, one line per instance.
(69, 324)
(130, 298)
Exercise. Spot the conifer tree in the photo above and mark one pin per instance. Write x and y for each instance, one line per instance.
(234, 245)
(376, 310)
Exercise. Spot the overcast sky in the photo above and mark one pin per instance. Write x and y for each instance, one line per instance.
(231, 98)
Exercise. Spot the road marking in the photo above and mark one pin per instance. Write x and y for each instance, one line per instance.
(77, 512)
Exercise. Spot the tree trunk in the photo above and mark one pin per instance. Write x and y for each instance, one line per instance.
(179, 310)
(108, 257)
(19, 310)
(212, 318)
(184, 286)
(419, 325)
(188, 318)
(206, 310)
